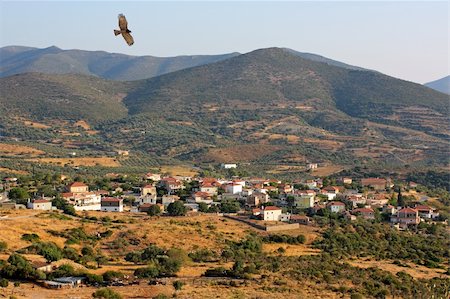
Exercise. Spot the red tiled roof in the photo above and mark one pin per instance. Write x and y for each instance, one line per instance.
(67, 194)
(111, 199)
(40, 201)
(77, 184)
(271, 208)
(407, 210)
(422, 208)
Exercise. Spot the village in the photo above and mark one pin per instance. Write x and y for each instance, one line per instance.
(258, 201)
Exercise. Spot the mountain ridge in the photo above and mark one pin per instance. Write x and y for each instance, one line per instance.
(269, 104)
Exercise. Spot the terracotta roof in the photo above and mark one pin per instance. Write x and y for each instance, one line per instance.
(421, 208)
(67, 194)
(271, 208)
(407, 210)
(111, 199)
(256, 211)
(363, 210)
(77, 184)
(298, 217)
(40, 201)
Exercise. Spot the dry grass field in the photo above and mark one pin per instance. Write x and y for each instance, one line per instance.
(188, 233)
(179, 170)
(82, 161)
(16, 150)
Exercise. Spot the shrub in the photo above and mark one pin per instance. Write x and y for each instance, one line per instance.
(112, 275)
(106, 293)
(30, 237)
(177, 285)
(4, 283)
(154, 210)
(147, 272)
(176, 208)
(3, 246)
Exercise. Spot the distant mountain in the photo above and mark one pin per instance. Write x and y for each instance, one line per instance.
(269, 107)
(442, 85)
(52, 60)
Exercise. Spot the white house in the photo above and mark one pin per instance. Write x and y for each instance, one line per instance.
(233, 188)
(228, 165)
(40, 204)
(271, 213)
(84, 201)
(112, 204)
(336, 206)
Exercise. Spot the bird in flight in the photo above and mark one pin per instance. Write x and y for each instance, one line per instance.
(123, 25)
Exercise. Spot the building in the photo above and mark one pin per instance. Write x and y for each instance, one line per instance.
(168, 199)
(366, 213)
(304, 199)
(233, 188)
(336, 206)
(406, 217)
(311, 166)
(257, 198)
(172, 185)
(301, 219)
(39, 204)
(209, 188)
(152, 176)
(426, 212)
(83, 201)
(78, 187)
(228, 165)
(271, 213)
(148, 189)
(112, 204)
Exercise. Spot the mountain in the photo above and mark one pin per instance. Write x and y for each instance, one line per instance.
(442, 85)
(270, 107)
(52, 60)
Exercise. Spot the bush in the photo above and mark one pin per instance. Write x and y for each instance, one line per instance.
(154, 210)
(106, 293)
(3, 246)
(4, 283)
(203, 255)
(176, 208)
(177, 285)
(112, 275)
(30, 237)
(147, 272)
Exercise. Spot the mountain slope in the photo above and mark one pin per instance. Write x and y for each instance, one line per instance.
(52, 60)
(66, 97)
(268, 107)
(265, 79)
(442, 85)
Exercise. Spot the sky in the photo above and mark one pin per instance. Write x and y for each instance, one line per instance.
(403, 39)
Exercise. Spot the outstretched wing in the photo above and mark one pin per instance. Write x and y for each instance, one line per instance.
(128, 38)
(123, 24)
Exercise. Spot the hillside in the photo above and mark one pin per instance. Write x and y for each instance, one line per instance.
(270, 107)
(52, 60)
(442, 85)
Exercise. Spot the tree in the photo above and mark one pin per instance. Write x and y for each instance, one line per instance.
(154, 210)
(176, 208)
(203, 207)
(18, 194)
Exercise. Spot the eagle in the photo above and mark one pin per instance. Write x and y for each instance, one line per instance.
(123, 25)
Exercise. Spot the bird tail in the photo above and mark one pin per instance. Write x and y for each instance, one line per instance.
(116, 32)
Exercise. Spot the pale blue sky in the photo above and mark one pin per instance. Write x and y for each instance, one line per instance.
(407, 40)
